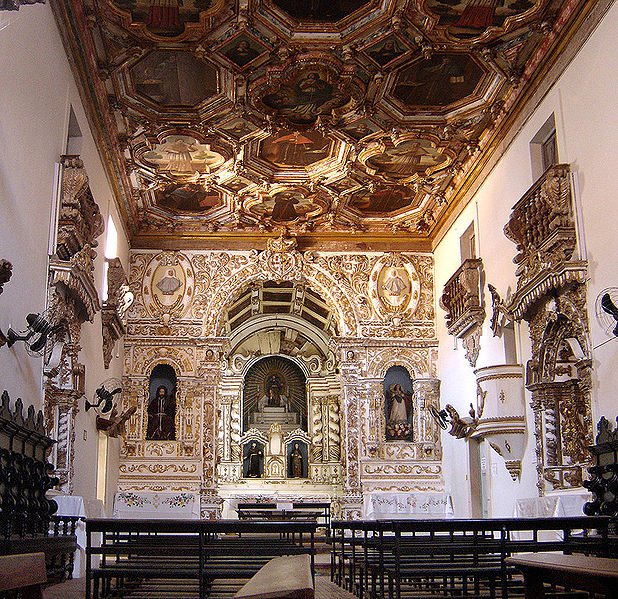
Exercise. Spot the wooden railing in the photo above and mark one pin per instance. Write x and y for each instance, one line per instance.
(27, 521)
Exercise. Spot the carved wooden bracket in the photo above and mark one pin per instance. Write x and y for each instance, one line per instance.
(113, 311)
(462, 300)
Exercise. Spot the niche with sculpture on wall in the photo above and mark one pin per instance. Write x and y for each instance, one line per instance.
(398, 404)
(162, 404)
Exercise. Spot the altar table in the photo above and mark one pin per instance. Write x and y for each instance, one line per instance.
(133, 504)
(383, 505)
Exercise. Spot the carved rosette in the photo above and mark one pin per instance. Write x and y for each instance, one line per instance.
(463, 301)
(551, 296)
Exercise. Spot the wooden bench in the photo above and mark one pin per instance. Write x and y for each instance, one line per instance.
(23, 572)
(467, 558)
(598, 575)
(176, 554)
(287, 577)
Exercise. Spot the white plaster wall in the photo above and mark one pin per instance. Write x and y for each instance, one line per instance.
(36, 92)
(585, 104)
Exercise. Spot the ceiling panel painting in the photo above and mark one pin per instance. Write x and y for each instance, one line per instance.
(167, 18)
(320, 10)
(472, 18)
(438, 81)
(174, 78)
(295, 149)
(338, 122)
(188, 198)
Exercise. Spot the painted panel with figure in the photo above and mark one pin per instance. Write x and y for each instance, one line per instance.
(295, 149)
(173, 78)
(297, 459)
(167, 18)
(471, 18)
(320, 10)
(398, 404)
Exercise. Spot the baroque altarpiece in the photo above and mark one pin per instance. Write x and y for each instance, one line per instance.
(280, 358)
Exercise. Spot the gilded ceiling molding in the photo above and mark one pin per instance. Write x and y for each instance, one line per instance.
(462, 299)
(551, 296)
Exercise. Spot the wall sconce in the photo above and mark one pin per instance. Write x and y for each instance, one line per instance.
(35, 338)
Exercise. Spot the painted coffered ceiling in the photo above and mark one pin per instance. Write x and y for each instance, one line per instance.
(345, 123)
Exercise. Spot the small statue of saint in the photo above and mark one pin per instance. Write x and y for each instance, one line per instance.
(296, 462)
(254, 458)
(161, 416)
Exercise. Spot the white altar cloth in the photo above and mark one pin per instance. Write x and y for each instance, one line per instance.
(551, 506)
(132, 504)
(382, 505)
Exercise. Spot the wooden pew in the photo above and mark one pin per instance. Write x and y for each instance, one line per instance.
(181, 553)
(462, 557)
(23, 572)
(598, 575)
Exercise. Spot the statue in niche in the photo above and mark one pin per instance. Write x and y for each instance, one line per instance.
(297, 460)
(398, 404)
(162, 404)
(254, 460)
(273, 397)
(161, 416)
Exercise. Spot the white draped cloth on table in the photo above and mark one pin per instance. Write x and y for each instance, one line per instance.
(380, 505)
(73, 505)
(142, 504)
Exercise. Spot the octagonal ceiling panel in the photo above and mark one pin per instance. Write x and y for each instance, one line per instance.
(188, 198)
(252, 118)
(466, 19)
(320, 10)
(286, 206)
(174, 78)
(167, 19)
(442, 82)
(292, 149)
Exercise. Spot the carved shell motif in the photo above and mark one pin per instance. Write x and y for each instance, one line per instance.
(394, 287)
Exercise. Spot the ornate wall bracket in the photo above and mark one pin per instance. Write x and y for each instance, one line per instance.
(462, 300)
(551, 297)
(114, 309)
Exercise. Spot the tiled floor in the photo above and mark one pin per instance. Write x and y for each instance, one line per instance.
(76, 589)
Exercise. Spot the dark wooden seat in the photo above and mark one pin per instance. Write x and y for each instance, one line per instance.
(463, 558)
(186, 557)
(23, 572)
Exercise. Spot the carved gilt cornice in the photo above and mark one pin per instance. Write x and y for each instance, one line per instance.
(75, 279)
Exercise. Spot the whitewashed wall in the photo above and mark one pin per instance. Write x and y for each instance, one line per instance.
(585, 104)
(36, 92)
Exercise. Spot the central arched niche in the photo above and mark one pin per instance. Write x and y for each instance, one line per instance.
(274, 381)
